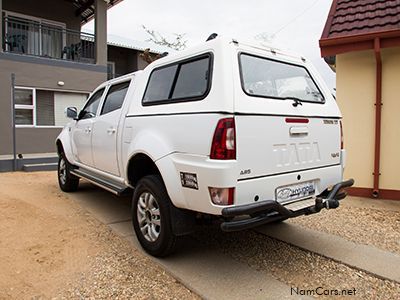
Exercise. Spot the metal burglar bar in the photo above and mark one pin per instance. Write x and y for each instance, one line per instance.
(38, 38)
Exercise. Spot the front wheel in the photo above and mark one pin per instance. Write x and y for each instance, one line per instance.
(151, 217)
(67, 181)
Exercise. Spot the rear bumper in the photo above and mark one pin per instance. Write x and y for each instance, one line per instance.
(270, 210)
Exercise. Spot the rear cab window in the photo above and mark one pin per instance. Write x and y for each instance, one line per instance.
(267, 78)
(187, 80)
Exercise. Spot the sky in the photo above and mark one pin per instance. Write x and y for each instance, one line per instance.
(288, 24)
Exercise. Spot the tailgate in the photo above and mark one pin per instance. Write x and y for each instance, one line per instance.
(268, 145)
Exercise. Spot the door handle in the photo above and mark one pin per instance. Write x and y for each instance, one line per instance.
(111, 130)
(88, 130)
(298, 130)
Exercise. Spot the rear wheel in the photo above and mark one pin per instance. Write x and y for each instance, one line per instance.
(67, 181)
(151, 217)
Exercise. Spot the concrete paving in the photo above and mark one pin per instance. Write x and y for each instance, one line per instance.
(206, 271)
(124, 229)
(104, 206)
(213, 275)
(367, 258)
(31, 155)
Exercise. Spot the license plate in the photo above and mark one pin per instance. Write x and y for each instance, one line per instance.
(295, 191)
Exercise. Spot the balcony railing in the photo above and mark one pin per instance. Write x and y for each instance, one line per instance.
(47, 40)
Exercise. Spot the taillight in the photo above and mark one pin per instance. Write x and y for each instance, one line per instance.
(341, 136)
(224, 141)
(222, 196)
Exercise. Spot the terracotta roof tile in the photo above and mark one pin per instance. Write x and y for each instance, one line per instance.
(349, 18)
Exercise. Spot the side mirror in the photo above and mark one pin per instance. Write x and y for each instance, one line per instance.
(71, 112)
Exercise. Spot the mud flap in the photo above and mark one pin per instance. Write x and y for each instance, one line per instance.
(182, 221)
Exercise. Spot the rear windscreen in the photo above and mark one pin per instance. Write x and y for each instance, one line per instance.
(263, 77)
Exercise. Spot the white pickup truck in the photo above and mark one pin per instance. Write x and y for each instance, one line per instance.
(247, 134)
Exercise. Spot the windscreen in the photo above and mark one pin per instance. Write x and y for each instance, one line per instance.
(262, 77)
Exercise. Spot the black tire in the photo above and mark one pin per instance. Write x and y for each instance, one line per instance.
(67, 182)
(157, 240)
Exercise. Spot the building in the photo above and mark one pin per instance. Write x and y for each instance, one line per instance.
(361, 41)
(124, 54)
(54, 65)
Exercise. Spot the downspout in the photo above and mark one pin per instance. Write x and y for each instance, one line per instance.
(378, 116)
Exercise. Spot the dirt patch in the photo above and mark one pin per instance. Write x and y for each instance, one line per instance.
(50, 247)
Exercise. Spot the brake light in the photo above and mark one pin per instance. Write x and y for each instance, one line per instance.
(341, 136)
(293, 120)
(224, 141)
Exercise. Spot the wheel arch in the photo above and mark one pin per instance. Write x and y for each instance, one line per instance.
(140, 165)
(63, 145)
(59, 147)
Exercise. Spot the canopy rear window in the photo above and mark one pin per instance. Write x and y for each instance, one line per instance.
(263, 77)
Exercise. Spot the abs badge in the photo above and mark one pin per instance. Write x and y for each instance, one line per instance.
(245, 172)
(189, 180)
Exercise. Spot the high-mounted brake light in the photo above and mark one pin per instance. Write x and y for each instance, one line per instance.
(294, 120)
(224, 141)
(341, 136)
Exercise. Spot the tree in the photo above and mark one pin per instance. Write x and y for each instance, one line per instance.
(179, 43)
(265, 37)
(148, 57)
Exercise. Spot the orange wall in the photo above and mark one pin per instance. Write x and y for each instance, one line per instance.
(356, 88)
(390, 146)
(355, 85)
